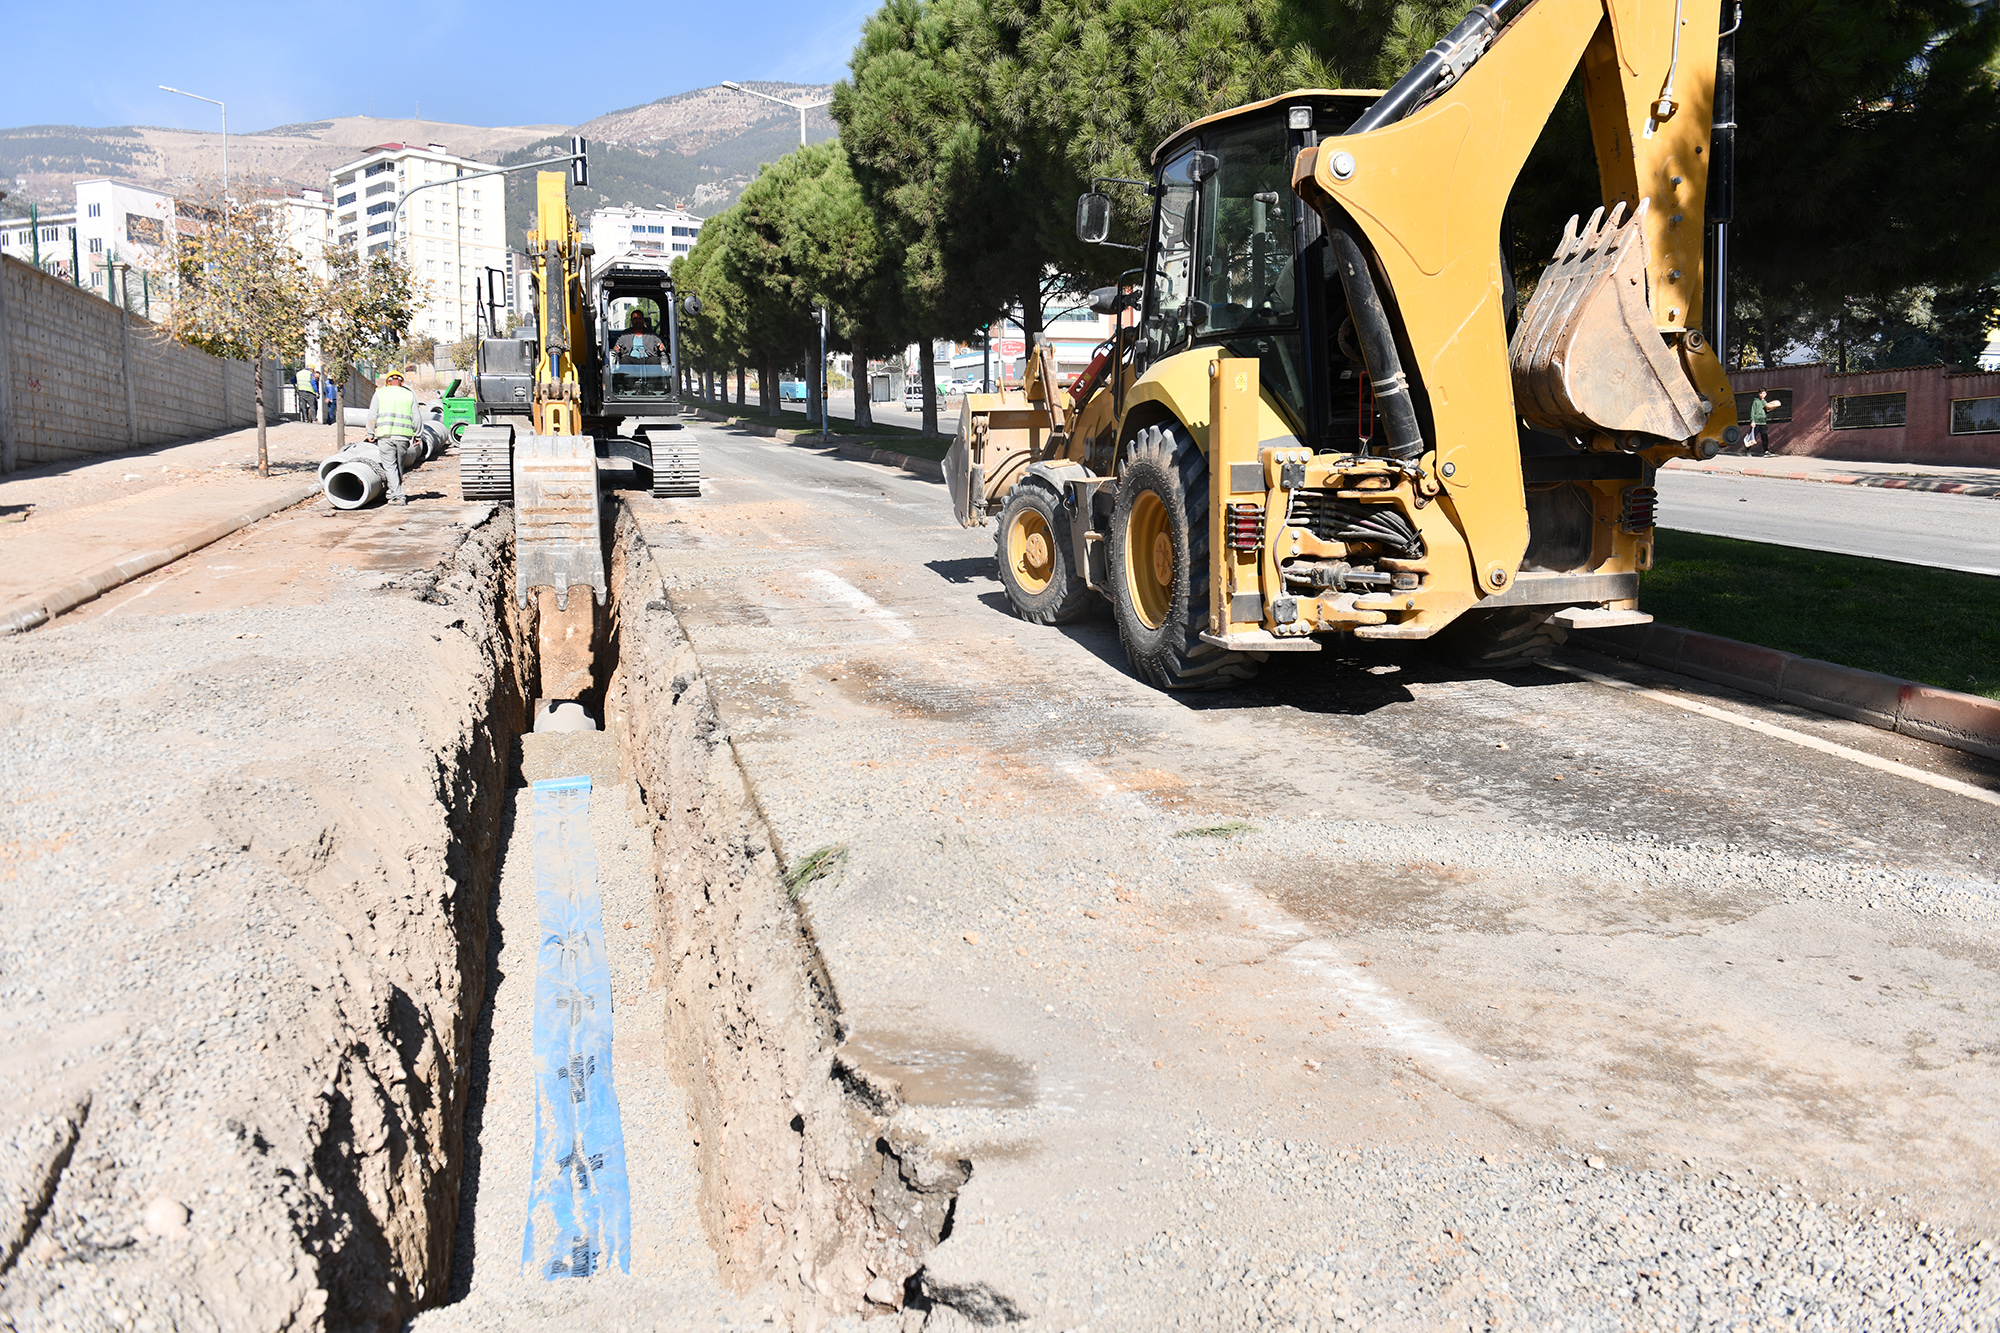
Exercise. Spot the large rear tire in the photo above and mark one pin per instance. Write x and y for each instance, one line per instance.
(1033, 556)
(1504, 640)
(1159, 566)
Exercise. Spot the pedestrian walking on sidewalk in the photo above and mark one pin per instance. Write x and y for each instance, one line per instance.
(392, 423)
(1753, 438)
(1761, 411)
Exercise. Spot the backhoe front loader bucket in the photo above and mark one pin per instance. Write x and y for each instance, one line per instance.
(1587, 355)
(558, 532)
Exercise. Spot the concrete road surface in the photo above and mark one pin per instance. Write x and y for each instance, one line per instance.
(1918, 527)
(1376, 991)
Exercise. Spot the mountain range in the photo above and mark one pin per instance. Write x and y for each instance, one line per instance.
(694, 150)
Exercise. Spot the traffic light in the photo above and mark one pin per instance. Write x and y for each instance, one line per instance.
(579, 167)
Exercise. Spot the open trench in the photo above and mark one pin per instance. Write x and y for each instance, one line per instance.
(812, 1205)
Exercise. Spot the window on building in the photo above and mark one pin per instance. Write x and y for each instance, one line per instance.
(346, 218)
(475, 215)
(1870, 411)
(49, 233)
(379, 168)
(685, 231)
(377, 230)
(1782, 412)
(345, 199)
(376, 210)
(348, 179)
(97, 245)
(1975, 416)
(378, 248)
(96, 210)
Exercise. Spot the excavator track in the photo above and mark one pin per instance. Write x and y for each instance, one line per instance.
(486, 463)
(676, 463)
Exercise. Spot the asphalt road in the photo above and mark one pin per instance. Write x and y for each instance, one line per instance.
(1918, 527)
(1374, 990)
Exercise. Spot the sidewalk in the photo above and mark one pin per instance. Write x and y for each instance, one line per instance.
(1893, 476)
(70, 531)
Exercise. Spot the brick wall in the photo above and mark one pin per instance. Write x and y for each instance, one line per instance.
(63, 391)
(1925, 437)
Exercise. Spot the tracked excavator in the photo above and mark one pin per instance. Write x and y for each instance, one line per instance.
(1323, 411)
(591, 381)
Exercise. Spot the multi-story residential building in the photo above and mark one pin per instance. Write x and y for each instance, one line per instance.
(48, 240)
(449, 235)
(308, 218)
(666, 232)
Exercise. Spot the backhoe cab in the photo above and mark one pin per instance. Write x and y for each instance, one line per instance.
(1321, 413)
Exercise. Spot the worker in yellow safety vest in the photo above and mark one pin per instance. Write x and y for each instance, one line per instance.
(392, 422)
(306, 385)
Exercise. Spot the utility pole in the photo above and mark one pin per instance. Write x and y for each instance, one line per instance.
(825, 394)
(800, 107)
(225, 131)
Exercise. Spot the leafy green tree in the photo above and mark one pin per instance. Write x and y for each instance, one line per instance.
(362, 312)
(241, 291)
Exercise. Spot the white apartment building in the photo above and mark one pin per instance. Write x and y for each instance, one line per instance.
(50, 241)
(449, 235)
(665, 232)
(308, 218)
(121, 223)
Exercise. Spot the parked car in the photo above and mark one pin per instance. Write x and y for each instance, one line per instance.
(791, 391)
(913, 398)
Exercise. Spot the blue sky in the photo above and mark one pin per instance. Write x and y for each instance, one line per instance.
(501, 62)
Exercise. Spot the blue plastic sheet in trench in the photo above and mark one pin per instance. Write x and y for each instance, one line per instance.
(579, 1205)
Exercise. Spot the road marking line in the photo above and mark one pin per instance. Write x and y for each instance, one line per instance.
(1361, 993)
(840, 590)
(1771, 729)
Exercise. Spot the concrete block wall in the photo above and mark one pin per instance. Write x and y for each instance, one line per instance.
(65, 391)
(1924, 438)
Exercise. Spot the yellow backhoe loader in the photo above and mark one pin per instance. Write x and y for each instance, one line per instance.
(1321, 411)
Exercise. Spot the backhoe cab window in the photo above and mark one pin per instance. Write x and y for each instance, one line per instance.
(1248, 276)
(1173, 258)
(1246, 217)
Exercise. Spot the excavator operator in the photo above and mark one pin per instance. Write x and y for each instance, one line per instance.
(638, 347)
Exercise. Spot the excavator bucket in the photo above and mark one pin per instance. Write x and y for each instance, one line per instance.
(1587, 355)
(558, 530)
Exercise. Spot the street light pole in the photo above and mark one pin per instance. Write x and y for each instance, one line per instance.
(225, 130)
(800, 107)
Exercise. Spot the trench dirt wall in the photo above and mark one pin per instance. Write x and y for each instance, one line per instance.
(272, 830)
(804, 1184)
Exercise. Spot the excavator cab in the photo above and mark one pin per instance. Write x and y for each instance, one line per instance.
(637, 352)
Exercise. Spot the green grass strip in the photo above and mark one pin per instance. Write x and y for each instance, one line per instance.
(1228, 828)
(1938, 626)
(828, 860)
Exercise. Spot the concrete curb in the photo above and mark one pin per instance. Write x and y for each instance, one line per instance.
(847, 446)
(1939, 484)
(1943, 717)
(32, 611)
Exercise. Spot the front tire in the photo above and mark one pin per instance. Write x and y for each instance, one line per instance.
(1033, 558)
(1159, 566)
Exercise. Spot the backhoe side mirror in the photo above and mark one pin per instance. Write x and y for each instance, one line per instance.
(691, 304)
(1093, 218)
(1105, 301)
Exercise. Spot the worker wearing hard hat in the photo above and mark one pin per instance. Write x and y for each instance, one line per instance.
(306, 385)
(392, 423)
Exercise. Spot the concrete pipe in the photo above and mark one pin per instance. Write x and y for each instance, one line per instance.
(415, 451)
(355, 484)
(364, 453)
